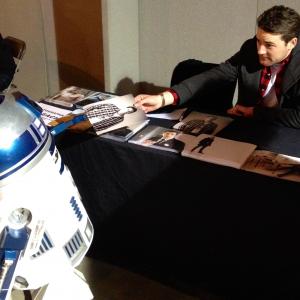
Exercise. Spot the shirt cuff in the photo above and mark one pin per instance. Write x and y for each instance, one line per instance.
(175, 96)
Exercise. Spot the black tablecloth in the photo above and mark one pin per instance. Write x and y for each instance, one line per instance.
(190, 221)
(275, 138)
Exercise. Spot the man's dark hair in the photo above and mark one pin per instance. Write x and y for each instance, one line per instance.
(282, 20)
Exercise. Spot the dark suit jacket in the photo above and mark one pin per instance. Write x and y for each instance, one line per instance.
(172, 143)
(7, 65)
(245, 68)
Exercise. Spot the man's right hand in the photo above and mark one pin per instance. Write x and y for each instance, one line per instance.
(148, 103)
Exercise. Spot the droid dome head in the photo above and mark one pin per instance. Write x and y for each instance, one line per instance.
(22, 138)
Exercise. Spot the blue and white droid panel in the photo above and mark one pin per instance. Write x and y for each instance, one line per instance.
(37, 193)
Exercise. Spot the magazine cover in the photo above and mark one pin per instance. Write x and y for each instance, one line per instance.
(75, 96)
(159, 137)
(216, 150)
(274, 164)
(51, 113)
(117, 112)
(196, 123)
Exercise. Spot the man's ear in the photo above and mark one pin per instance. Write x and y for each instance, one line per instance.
(292, 43)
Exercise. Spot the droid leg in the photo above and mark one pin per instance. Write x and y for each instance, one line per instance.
(70, 284)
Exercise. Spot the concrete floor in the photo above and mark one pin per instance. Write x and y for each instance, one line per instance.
(109, 282)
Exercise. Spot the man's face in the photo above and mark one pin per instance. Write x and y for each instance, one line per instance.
(126, 110)
(168, 135)
(271, 48)
(71, 93)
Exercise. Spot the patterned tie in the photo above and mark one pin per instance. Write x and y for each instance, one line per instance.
(264, 80)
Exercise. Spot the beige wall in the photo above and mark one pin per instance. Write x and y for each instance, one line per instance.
(208, 30)
(23, 19)
(143, 39)
(121, 44)
(174, 30)
(50, 48)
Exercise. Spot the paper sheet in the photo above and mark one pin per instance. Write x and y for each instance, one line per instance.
(174, 115)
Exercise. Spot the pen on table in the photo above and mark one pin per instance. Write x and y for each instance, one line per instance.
(184, 114)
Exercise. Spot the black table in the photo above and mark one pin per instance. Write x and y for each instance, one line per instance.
(189, 222)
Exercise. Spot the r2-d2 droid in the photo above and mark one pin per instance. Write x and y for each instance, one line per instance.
(45, 231)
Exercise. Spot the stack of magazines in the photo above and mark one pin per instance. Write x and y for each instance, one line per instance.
(110, 116)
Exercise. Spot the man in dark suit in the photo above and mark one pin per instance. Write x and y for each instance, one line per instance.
(203, 143)
(103, 116)
(266, 68)
(167, 139)
(197, 127)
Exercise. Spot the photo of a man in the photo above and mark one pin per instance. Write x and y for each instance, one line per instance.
(199, 126)
(103, 116)
(166, 139)
(114, 113)
(68, 96)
